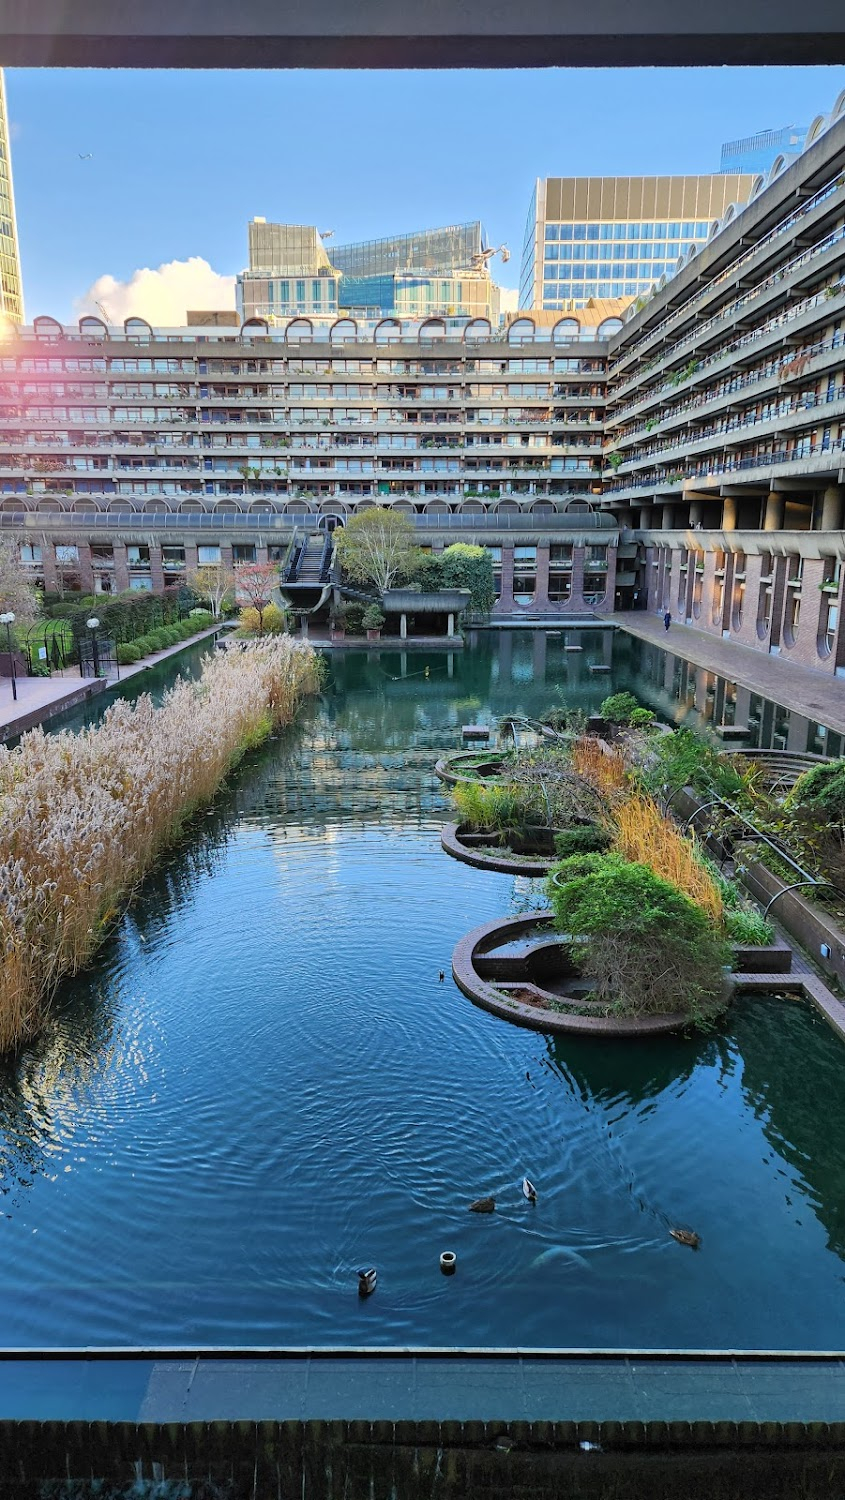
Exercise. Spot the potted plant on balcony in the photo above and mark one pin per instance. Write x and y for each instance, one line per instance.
(372, 621)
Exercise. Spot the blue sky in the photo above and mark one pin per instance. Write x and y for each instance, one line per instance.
(181, 161)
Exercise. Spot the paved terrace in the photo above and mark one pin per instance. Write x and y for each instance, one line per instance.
(817, 697)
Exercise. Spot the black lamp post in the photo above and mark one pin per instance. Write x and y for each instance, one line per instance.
(8, 619)
(94, 625)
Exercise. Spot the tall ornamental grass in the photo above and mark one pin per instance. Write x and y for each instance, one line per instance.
(84, 816)
(645, 836)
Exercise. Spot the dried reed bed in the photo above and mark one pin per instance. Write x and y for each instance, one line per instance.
(645, 835)
(603, 769)
(84, 816)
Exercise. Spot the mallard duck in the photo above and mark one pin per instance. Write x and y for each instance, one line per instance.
(482, 1206)
(686, 1237)
(367, 1282)
(529, 1190)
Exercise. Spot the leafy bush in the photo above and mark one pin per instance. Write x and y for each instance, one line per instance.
(128, 654)
(201, 619)
(372, 618)
(646, 947)
(275, 620)
(746, 925)
(354, 618)
(619, 708)
(249, 620)
(821, 789)
(565, 718)
(642, 718)
(143, 645)
(683, 759)
(586, 838)
(468, 567)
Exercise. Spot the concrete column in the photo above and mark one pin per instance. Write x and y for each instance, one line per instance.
(86, 569)
(450, 629)
(48, 562)
(667, 518)
(832, 508)
(190, 559)
(226, 557)
(773, 519)
(156, 569)
(576, 598)
(729, 513)
(506, 605)
(403, 626)
(696, 512)
(541, 589)
(121, 567)
(644, 521)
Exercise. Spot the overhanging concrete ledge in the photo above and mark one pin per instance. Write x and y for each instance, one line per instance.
(399, 34)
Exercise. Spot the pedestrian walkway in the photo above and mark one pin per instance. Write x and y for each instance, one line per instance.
(814, 695)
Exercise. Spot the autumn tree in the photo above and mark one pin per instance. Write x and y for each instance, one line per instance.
(378, 546)
(254, 583)
(214, 583)
(16, 592)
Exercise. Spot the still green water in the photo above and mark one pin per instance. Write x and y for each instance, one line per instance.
(262, 1085)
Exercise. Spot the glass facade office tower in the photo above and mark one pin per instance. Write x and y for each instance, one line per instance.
(11, 288)
(453, 247)
(289, 274)
(412, 294)
(615, 236)
(758, 153)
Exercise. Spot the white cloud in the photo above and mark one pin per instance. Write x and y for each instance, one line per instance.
(162, 296)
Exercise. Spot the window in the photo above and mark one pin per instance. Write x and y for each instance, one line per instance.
(208, 556)
(67, 554)
(30, 554)
(141, 585)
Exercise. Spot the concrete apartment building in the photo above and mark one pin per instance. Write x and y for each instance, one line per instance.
(689, 458)
(616, 236)
(726, 418)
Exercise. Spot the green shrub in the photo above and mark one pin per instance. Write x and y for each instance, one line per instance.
(372, 618)
(619, 708)
(275, 620)
(158, 640)
(641, 718)
(683, 759)
(821, 789)
(746, 925)
(144, 645)
(128, 654)
(586, 838)
(648, 949)
(354, 618)
(201, 619)
(497, 807)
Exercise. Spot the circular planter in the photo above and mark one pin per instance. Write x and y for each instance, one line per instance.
(448, 768)
(529, 1004)
(505, 863)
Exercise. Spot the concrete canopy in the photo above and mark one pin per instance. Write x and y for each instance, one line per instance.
(406, 33)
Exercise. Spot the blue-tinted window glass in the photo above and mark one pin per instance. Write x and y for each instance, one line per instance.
(620, 231)
(645, 231)
(657, 268)
(606, 232)
(674, 231)
(551, 231)
(688, 229)
(646, 249)
(552, 252)
(590, 289)
(633, 252)
(549, 291)
(284, 291)
(579, 252)
(592, 231)
(660, 231)
(633, 231)
(577, 273)
(618, 268)
(630, 289)
(703, 227)
(593, 252)
(604, 289)
(617, 289)
(316, 290)
(300, 291)
(565, 231)
(565, 252)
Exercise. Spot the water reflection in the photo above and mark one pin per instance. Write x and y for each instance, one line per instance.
(263, 1084)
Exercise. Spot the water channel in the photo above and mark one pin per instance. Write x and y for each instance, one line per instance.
(263, 1084)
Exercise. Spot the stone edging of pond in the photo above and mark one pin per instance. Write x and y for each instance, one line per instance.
(450, 839)
(538, 1017)
(442, 768)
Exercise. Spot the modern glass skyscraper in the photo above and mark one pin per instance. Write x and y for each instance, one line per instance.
(615, 236)
(11, 287)
(758, 153)
(453, 247)
(289, 274)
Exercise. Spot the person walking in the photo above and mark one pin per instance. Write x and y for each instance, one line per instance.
(667, 620)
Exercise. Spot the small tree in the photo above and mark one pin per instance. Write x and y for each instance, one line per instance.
(213, 583)
(255, 583)
(378, 546)
(16, 591)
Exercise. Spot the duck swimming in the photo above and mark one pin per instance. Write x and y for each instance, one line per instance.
(482, 1206)
(529, 1190)
(686, 1237)
(367, 1282)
